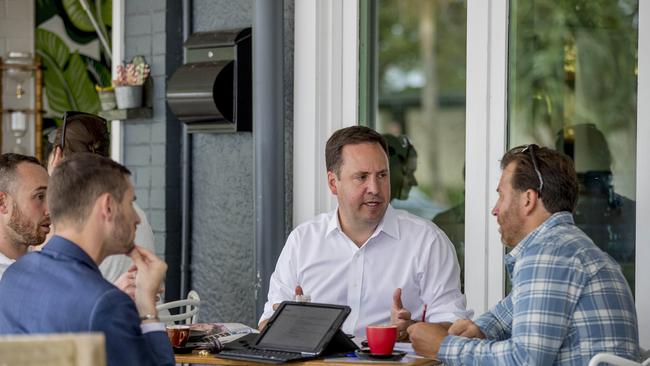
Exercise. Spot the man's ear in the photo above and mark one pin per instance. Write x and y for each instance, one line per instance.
(4, 203)
(106, 206)
(530, 201)
(331, 182)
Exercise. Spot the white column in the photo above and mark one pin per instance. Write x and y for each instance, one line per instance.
(325, 94)
(642, 272)
(485, 144)
(118, 56)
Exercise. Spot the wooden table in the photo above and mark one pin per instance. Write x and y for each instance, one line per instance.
(212, 360)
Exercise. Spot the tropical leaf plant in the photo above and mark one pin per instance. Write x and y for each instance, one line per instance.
(80, 18)
(68, 86)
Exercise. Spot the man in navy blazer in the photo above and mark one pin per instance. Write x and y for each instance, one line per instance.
(61, 289)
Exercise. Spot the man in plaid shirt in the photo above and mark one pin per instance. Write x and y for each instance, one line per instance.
(569, 300)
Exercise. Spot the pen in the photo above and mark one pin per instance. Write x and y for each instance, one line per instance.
(424, 313)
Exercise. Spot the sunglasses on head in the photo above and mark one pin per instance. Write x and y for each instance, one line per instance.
(530, 149)
(67, 116)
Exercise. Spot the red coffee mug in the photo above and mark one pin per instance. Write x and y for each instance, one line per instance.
(381, 339)
(178, 334)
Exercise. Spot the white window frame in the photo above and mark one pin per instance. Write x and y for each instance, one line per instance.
(642, 272)
(326, 99)
(326, 81)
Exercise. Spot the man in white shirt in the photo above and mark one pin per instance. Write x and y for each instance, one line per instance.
(24, 217)
(382, 262)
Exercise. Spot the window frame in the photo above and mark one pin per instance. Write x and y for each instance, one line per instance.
(326, 98)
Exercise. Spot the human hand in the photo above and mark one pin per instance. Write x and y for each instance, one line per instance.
(126, 281)
(148, 279)
(399, 316)
(466, 328)
(426, 338)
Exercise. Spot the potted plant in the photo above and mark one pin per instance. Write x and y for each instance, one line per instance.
(129, 83)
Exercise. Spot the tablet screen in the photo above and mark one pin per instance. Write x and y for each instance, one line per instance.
(301, 328)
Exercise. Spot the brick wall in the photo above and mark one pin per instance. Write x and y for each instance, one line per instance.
(153, 29)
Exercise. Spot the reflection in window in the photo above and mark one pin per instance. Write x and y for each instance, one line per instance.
(572, 77)
(419, 99)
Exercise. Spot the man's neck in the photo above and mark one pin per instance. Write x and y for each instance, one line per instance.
(358, 234)
(9, 248)
(87, 243)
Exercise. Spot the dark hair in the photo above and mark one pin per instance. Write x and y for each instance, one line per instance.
(84, 132)
(8, 164)
(78, 181)
(560, 188)
(349, 136)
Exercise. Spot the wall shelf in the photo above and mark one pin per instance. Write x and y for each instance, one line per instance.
(125, 114)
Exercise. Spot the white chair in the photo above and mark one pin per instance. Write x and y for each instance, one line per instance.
(188, 309)
(616, 360)
(64, 349)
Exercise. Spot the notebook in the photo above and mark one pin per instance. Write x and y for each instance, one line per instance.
(296, 331)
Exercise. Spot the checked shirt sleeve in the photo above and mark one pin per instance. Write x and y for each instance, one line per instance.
(545, 292)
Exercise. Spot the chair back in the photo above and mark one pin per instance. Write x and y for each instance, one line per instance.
(188, 309)
(65, 349)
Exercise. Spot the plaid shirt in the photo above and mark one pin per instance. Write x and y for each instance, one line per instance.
(569, 301)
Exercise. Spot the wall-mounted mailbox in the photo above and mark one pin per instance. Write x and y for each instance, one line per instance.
(211, 92)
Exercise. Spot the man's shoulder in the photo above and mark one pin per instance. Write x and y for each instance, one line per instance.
(411, 223)
(566, 243)
(317, 224)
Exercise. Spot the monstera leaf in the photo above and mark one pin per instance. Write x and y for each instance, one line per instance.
(67, 83)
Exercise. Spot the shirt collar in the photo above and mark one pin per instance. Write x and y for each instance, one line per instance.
(58, 245)
(558, 218)
(388, 223)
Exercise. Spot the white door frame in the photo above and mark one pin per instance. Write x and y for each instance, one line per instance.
(326, 99)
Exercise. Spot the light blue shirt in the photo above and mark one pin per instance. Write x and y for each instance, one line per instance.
(569, 301)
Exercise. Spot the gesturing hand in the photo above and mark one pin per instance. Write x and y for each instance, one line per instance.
(399, 316)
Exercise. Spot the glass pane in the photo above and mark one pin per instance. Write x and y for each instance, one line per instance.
(572, 77)
(419, 99)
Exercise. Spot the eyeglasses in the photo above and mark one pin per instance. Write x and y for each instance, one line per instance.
(70, 114)
(531, 149)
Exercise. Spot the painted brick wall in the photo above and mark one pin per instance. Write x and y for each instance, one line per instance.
(153, 29)
(223, 218)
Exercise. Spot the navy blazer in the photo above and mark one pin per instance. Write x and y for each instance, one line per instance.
(60, 289)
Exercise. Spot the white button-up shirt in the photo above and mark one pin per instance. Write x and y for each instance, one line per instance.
(5, 262)
(405, 252)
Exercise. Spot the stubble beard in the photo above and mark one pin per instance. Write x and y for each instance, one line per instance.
(27, 232)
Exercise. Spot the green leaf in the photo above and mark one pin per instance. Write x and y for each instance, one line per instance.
(67, 84)
(59, 97)
(99, 72)
(83, 90)
(78, 16)
(50, 44)
(107, 12)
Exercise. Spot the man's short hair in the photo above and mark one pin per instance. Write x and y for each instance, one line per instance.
(78, 181)
(8, 164)
(560, 188)
(349, 136)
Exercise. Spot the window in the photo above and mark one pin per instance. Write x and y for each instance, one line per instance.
(413, 78)
(572, 83)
